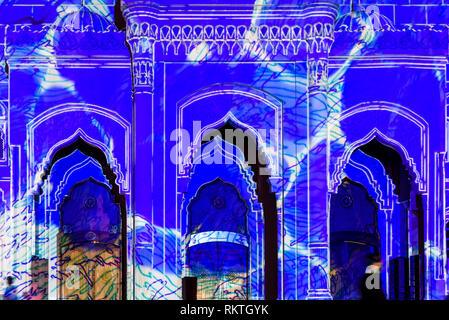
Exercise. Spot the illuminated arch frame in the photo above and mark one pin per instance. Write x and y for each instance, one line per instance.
(122, 181)
(186, 161)
(242, 90)
(385, 202)
(255, 268)
(419, 177)
(52, 243)
(384, 199)
(51, 205)
(58, 196)
(276, 176)
(67, 198)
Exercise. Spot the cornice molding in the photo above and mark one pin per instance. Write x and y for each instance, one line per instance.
(400, 28)
(273, 39)
(325, 9)
(44, 28)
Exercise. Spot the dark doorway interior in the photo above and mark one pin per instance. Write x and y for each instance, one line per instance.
(115, 198)
(259, 165)
(352, 240)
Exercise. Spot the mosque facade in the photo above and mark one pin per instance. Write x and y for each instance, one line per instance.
(223, 149)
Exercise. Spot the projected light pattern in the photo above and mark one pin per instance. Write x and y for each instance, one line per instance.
(265, 148)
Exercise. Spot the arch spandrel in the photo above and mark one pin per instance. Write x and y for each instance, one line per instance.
(247, 108)
(62, 125)
(358, 125)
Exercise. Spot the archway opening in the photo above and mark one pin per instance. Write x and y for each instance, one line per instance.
(354, 238)
(91, 255)
(400, 240)
(218, 248)
(247, 143)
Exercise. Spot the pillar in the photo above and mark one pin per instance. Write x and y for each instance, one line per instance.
(319, 37)
(140, 37)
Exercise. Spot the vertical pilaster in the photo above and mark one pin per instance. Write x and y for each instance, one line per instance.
(446, 185)
(319, 37)
(4, 218)
(439, 225)
(140, 37)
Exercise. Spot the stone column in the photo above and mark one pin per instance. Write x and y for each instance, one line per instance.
(319, 37)
(140, 37)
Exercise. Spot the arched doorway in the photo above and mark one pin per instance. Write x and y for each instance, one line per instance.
(403, 252)
(89, 243)
(233, 136)
(89, 223)
(354, 237)
(217, 252)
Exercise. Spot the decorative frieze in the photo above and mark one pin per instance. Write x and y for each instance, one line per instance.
(232, 39)
(317, 71)
(143, 73)
(319, 38)
(141, 39)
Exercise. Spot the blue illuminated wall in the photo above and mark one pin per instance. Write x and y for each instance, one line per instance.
(137, 97)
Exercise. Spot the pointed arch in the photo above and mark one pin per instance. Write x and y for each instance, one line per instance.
(401, 170)
(79, 166)
(368, 240)
(217, 144)
(94, 152)
(272, 105)
(119, 130)
(264, 196)
(417, 161)
(381, 196)
(375, 134)
(69, 197)
(230, 121)
(86, 145)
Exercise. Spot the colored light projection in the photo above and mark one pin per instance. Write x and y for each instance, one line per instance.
(266, 149)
